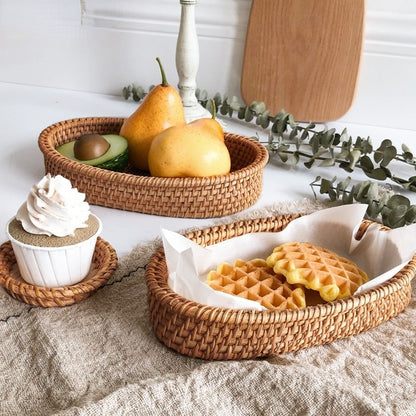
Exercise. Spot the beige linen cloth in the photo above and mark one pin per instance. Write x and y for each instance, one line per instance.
(100, 357)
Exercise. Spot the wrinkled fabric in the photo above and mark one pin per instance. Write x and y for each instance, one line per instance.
(101, 357)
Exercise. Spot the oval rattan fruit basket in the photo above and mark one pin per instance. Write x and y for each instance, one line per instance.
(206, 197)
(215, 333)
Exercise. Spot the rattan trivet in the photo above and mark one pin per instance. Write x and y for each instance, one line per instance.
(221, 334)
(103, 265)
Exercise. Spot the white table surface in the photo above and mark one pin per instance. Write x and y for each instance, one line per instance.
(25, 111)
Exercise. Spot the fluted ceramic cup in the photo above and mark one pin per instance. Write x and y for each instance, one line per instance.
(54, 266)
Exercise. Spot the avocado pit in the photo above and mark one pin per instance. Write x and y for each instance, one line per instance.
(90, 146)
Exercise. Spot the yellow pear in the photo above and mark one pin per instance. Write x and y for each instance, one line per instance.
(161, 108)
(210, 124)
(193, 150)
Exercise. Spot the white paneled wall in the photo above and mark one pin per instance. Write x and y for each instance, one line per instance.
(102, 45)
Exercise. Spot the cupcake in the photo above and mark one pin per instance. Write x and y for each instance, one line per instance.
(53, 234)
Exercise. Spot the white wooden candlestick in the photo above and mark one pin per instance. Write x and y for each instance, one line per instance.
(187, 62)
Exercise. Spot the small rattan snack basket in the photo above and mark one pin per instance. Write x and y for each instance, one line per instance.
(216, 333)
(135, 191)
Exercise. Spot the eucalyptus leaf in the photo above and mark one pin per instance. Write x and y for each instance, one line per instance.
(309, 163)
(354, 157)
(389, 154)
(327, 162)
(410, 215)
(372, 192)
(126, 92)
(366, 164)
(241, 114)
(347, 197)
(295, 158)
(234, 103)
(248, 115)
(326, 185)
(283, 156)
(203, 96)
(258, 107)
(293, 134)
(398, 201)
(379, 173)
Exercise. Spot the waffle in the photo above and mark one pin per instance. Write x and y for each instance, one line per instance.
(255, 280)
(318, 269)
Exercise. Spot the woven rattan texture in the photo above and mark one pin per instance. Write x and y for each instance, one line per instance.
(103, 265)
(221, 334)
(176, 197)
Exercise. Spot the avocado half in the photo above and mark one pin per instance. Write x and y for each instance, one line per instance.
(115, 158)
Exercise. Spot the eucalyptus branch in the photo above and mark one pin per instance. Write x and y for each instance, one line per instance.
(291, 141)
(393, 210)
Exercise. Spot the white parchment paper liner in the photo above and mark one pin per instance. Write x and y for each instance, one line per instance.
(381, 254)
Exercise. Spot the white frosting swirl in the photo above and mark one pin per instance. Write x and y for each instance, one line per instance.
(53, 207)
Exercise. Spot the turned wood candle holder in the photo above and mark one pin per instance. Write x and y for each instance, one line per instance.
(187, 62)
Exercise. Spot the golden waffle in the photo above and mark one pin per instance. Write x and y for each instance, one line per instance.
(317, 268)
(254, 280)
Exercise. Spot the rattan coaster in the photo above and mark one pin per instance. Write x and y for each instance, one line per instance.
(103, 265)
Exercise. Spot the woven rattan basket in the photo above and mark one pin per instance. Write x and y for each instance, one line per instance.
(176, 197)
(104, 263)
(222, 334)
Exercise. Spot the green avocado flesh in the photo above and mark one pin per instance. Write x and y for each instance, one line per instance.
(115, 158)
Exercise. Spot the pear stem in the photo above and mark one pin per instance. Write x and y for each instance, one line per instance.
(162, 71)
(214, 109)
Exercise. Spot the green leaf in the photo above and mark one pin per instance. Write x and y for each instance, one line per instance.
(327, 162)
(295, 158)
(354, 157)
(343, 185)
(327, 137)
(346, 166)
(366, 163)
(293, 134)
(347, 197)
(127, 92)
(372, 192)
(241, 114)
(234, 103)
(282, 124)
(224, 108)
(361, 191)
(410, 215)
(381, 174)
(326, 185)
(217, 99)
(258, 107)
(283, 156)
(314, 143)
(248, 115)
(389, 154)
(397, 201)
(309, 163)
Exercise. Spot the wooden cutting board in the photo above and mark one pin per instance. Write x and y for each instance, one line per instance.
(303, 56)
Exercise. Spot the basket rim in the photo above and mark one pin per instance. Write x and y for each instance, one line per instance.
(47, 148)
(206, 313)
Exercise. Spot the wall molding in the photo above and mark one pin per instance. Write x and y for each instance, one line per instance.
(387, 32)
(390, 33)
(214, 18)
